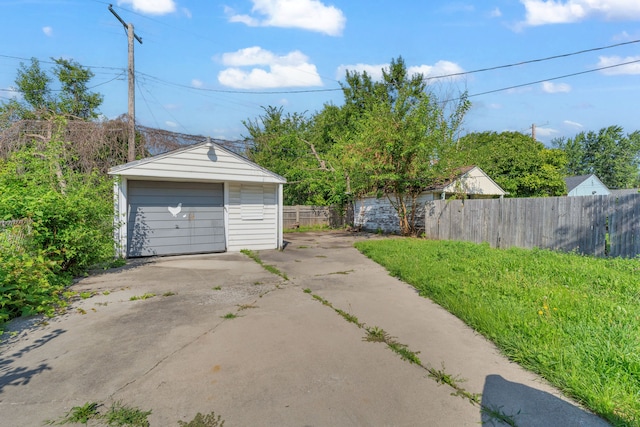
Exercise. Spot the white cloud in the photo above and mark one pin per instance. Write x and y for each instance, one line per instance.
(440, 68)
(48, 31)
(171, 124)
(291, 70)
(550, 87)
(609, 61)
(495, 13)
(151, 7)
(187, 12)
(574, 124)
(542, 12)
(312, 15)
(197, 83)
(545, 132)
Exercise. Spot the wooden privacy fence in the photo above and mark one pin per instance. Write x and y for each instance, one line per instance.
(308, 216)
(591, 225)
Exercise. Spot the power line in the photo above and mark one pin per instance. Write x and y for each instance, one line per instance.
(44, 61)
(248, 92)
(276, 92)
(555, 78)
(141, 87)
(162, 81)
(531, 61)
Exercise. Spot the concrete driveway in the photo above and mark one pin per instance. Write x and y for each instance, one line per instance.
(286, 360)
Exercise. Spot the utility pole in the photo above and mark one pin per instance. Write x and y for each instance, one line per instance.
(131, 149)
(533, 131)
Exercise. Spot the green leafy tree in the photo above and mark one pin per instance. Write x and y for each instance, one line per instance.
(521, 165)
(402, 138)
(75, 99)
(290, 145)
(39, 101)
(610, 154)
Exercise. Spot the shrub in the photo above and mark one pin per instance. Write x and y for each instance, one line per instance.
(28, 285)
(70, 217)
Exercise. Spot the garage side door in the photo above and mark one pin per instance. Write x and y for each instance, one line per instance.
(168, 218)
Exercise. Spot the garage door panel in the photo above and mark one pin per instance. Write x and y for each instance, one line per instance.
(175, 218)
(159, 213)
(186, 201)
(203, 227)
(175, 249)
(168, 239)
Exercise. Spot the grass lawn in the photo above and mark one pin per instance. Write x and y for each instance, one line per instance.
(575, 320)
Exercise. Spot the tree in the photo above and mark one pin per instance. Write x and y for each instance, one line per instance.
(402, 138)
(75, 99)
(289, 145)
(39, 101)
(610, 154)
(521, 165)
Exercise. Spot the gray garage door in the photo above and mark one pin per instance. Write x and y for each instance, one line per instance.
(168, 218)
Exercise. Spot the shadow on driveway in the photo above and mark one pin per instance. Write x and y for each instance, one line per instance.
(12, 375)
(528, 406)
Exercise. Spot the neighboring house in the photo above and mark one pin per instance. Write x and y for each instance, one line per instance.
(197, 199)
(376, 213)
(586, 185)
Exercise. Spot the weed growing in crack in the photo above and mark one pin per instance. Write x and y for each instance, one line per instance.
(246, 306)
(306, 291)
(117, 415)
(348, 317)
(497, 414)
(403, 351)
(442, 377)
(168, 294)
(343, 272)
(229, 316)
(78, 414)
(270, 268)
(375, 334)
(322, 300)
(209, 420)
(142, 297)
(123, 415)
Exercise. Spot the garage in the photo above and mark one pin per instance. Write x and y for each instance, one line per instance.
(201, 198)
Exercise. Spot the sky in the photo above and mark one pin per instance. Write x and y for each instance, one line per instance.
(205, 66)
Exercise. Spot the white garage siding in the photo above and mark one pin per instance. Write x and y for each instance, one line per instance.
(253, 217)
